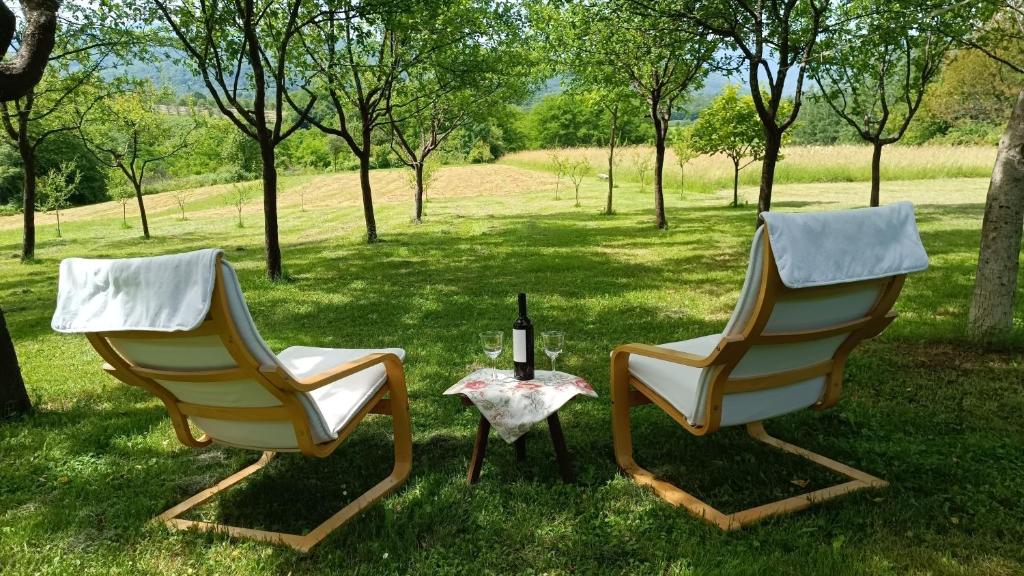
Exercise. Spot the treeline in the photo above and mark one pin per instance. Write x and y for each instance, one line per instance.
(957, 109)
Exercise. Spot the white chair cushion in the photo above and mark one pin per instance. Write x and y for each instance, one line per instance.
(685, 387)
(678, 384)
(335, 404)
(826, 248)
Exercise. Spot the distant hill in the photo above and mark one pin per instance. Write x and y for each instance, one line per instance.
(179, 78)
(167, 73)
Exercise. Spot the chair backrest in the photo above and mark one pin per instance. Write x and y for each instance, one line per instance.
(785, 348)
(221, 376)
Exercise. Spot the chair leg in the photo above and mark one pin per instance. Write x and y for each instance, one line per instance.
(401, 426)
(857, 480)
(623, 446)
(677, 497)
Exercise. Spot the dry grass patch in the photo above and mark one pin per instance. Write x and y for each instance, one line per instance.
(322, 191)
(846, 163)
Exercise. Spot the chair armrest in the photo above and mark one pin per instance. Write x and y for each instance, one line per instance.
(666, 354)
(882, 324)
(336, 373)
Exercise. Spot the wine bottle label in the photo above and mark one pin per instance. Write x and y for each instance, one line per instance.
(519, 345)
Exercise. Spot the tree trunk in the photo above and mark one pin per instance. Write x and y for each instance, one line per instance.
(273, 244)
(142, 208)
(660, 135)
(13, 396)
(18, 75)
(28, 210)
(773, 145)
(417, 215)
(611, 158)
(735, 183)
(995, 283)
(876, 171)
(364, 184)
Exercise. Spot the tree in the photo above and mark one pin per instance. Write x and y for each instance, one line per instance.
(238, 197)
(577, 170)
(776, 41)
(19, 75)
(874, 72)
(996, 28)
(685, 149)
(614, 101)
(29, 121)
(642, 164)
(123, 195)
(56, 189)
(595, 81)
(431, 128)
(475, 60)
(621, 107)
(579, 117)
(730, 126)
(245, 54)
(14, 398)
(662, 64)
(125, 132)
(358, 51)
(560, 163)
(956, 103)
(421, 181)
(181, 196)
(17, 79)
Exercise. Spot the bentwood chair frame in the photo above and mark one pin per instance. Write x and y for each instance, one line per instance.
(391, 399)
(628, 391)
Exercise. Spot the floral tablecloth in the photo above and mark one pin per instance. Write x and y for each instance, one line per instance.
(513, 406)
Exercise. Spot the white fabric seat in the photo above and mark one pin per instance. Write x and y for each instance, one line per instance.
(678, 384)
(685, 387)
(335, 404)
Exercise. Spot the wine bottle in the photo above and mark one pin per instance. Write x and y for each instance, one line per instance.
(522, 343)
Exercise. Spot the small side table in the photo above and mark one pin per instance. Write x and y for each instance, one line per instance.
(512, 407)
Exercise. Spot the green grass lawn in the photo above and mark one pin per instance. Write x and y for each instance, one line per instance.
(81, 477)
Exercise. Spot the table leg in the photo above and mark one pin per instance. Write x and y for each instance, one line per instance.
(520, 445)
(479, 451)
(561, 453)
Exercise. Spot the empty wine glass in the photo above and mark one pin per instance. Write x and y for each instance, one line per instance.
(553, 342)
(491, 342)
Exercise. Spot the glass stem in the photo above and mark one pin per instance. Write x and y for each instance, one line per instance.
(553, 363)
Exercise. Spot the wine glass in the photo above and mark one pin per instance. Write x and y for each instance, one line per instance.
(553, 342)
(491, 342)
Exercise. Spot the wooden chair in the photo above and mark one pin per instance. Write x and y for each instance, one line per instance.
(223, 379)
(783, 350)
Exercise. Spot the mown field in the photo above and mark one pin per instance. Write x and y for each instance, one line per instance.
(81, 477)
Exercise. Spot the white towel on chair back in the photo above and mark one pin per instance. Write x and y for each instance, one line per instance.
(160, 293)
(823, 248)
